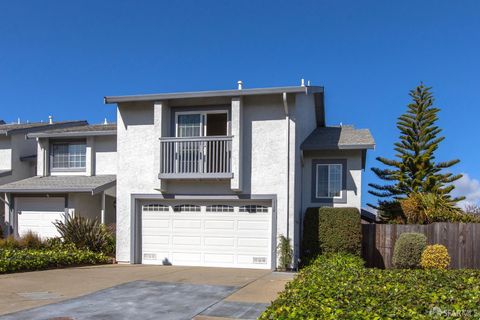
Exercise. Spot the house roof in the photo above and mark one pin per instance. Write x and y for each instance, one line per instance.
(216, 93)
(338, 138)
(11, 128)
(4, 173)
(78, 131)
(60, 184)
(368, 216)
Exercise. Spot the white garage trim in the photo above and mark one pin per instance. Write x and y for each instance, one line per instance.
(139, 199)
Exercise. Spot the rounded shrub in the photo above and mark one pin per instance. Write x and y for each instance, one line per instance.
(435, 257)
(408, 250)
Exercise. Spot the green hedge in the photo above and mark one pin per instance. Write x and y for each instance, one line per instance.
(16, 260)
(339, 287)
(331, 230)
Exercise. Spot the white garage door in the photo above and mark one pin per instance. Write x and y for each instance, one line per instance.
(207, 235)
(37, 214)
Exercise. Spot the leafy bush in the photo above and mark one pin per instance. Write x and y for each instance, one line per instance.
(408, 250)
(84, 233)
(28, 259)
(110, 245)
(339, 287)
(285, 252)
(435, 257)
(30, 240)
(423, 208)
(328, 230)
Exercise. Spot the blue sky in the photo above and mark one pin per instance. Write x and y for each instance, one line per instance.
(62, 57)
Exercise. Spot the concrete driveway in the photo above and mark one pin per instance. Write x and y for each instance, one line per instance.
(139, 292)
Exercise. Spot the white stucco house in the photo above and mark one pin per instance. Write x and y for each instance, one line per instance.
(213, 178)
(75, 174)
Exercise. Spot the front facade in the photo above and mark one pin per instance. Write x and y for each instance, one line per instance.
(75, 175)
(213, 178)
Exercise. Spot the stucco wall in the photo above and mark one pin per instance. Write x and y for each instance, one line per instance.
(105, 155)
(354, 177)
(85, 204)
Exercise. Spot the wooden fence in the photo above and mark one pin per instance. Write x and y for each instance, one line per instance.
(461, 239)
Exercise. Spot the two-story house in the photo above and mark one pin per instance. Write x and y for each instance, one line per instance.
(213, 178)
(18, 154)
(75, 174)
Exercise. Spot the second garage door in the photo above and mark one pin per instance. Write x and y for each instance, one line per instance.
(215, 235)
(37, 214)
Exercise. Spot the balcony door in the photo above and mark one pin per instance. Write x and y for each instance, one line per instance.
(198, 155)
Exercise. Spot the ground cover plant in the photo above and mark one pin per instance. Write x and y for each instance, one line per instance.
(338, 286)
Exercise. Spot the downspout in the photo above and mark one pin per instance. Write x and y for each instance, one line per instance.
(287, 118)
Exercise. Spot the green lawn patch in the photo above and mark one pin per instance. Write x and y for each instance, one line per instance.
(338, 286)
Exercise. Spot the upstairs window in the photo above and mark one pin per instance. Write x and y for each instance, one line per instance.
(329, 180)
(70, 155)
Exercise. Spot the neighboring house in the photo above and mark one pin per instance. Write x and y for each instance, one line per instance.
(213, 178)
(76, 168)
(18, 154)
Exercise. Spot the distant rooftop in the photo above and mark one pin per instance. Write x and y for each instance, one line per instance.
(338, 138)
(11, 128)
(78, 131)
(216, 93)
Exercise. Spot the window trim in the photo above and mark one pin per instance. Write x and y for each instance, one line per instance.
(67, 142)
(328, 165)
(314, 173)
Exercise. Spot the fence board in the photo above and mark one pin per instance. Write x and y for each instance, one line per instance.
(461, 239)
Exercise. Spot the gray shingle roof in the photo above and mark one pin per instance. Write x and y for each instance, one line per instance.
(52, 184)
(77, 131)
(335, 138)
(10, 128)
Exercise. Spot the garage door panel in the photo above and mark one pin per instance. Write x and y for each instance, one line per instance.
(216, 225)
(253, 243)
(187, 240)
(187, 257)
(211, 258)
(219, 241)
(158, 223)
(156, 239)
(246, 225)
(187, 224)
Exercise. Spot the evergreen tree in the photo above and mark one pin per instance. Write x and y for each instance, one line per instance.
(414, 169)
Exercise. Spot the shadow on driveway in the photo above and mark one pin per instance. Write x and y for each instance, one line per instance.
(133, 300)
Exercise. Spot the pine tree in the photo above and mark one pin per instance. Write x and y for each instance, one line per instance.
(414, 169)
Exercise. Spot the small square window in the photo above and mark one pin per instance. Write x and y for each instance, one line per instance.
(69, 155)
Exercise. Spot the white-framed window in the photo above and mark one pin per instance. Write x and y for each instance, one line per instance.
(69, 155)
(329, 180)
(155, 207)
(186, 208)
(201, 123)
(219, 208)
(254, 209)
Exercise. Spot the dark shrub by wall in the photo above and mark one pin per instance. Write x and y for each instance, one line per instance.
(331, 230)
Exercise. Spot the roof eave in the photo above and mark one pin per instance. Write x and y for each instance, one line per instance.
(340, 147)
(71, 134)
(210, 94)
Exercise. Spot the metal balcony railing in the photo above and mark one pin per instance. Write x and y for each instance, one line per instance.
(195, 157)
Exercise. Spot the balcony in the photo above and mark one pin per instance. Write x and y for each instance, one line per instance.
(196, 157)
